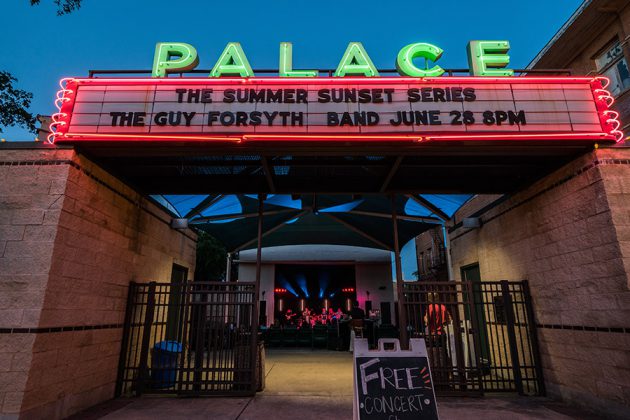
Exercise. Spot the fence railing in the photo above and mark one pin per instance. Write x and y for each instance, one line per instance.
(480, 336)
(194, 338)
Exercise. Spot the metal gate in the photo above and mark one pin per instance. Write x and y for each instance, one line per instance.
(480, 336)
(195, 338)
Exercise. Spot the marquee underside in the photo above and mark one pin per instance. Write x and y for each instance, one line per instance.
(457, 167)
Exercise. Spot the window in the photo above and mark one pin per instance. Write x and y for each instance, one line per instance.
(612, 64)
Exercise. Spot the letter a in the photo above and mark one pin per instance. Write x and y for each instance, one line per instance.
(232, 62)
(356, 61)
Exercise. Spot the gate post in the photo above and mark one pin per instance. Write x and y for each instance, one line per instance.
(122, 361)
(143, 368)
(402, 310)
(509, 317)
(474, 326)
(533, 338)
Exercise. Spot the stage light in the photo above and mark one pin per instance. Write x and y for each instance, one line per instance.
(280, 290)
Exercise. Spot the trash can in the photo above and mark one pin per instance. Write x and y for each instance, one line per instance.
(164, 363)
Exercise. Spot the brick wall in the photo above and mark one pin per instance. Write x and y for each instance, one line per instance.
(568, 235)
(72, 237)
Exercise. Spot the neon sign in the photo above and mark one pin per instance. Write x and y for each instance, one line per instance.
(485, 58)
(363, 109)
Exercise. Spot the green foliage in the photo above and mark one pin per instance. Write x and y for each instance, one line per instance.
(14, 104)
(211, 258)
(64, 7)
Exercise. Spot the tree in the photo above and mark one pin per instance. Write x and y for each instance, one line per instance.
(211, 258)
(64, 7)
(14, 103)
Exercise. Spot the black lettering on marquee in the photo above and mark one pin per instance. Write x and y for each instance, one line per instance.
(206, 96)
(228, 96)
(255, 118)
(323, 96)
(469, 94)
(270, 117)
(129, 119)
(180, 95)
(413, 95)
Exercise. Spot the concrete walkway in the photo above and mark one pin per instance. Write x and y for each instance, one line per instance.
(305, 385)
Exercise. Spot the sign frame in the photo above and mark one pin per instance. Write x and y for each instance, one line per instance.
(66, 97)
(417, 349)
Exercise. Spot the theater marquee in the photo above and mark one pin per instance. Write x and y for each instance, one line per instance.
(328, 109)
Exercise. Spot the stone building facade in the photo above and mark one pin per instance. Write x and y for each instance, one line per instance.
(72, 238)
(569, 236)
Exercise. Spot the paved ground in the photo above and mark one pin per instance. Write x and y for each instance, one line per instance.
(305, 385)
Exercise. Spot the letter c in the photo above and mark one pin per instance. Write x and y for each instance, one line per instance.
(404, 61)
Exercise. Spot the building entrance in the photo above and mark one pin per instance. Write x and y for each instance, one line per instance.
(327, 182)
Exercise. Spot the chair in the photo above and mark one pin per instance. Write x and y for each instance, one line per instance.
(274, 337)
(320, 335)
(358, 326)
(304, 337)
(289, 335)
(334, 338)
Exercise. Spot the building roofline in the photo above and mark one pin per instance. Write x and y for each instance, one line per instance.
(559, 33)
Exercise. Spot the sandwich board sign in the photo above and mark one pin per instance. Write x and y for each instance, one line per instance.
(392, 384)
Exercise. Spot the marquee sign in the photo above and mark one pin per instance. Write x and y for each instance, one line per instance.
(339, 108)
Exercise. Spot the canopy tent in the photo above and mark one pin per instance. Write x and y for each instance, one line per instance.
(364, 221)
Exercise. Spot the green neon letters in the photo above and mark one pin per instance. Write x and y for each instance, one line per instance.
(232, 62)
(485, 58)
(488, 58)
(163, 62)
(356, 62)
(404, 61)
(285, 69)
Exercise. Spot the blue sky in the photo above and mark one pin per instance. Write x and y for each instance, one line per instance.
(40, 48)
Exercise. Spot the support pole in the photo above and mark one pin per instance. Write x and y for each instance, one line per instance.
(228, 268)
(402, 311)
(447, 252)
(256, 298)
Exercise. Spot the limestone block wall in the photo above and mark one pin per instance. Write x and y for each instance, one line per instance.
(72, 238)
(568, 236)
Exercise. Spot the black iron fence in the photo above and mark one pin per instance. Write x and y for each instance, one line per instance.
(194, 338)
(480, 336)
(199, 338)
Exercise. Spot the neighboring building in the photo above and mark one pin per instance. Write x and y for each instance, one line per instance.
(595, 41)
(568, 233)
(431, 256)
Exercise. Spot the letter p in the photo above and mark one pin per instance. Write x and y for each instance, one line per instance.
(173, 57)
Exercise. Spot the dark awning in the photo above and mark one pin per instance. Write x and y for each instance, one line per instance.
(364, 221)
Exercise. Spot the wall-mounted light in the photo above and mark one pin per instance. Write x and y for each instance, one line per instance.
(179, 223)
(471, 222)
